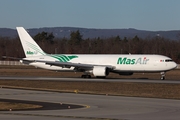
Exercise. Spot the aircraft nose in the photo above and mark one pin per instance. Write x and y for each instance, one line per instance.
(174, 65)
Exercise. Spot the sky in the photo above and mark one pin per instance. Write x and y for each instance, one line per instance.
(153, 15)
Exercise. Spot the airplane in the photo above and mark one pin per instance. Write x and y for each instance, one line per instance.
(99, 65)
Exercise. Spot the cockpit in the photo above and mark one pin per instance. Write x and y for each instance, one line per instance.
(168, 60)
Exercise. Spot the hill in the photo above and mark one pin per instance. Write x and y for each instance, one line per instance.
(60, 32)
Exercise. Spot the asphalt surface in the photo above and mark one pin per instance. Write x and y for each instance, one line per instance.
(97, 107)
(89, 79)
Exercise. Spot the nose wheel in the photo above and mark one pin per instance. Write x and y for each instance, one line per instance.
(162, 75)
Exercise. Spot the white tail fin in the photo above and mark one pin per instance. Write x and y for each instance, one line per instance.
(31, 48)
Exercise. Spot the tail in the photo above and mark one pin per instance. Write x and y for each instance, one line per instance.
(30, 47)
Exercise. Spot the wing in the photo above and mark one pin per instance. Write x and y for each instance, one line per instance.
(77, 66)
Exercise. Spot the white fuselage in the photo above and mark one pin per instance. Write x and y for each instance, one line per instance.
(121, 63)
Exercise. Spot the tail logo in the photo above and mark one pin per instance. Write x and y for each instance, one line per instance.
(31, 53)
(33, 49)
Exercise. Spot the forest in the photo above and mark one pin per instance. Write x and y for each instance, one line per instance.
(75, 44)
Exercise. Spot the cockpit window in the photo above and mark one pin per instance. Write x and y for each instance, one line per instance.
(168, 60)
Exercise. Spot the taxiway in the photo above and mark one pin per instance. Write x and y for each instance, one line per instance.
(100, 107)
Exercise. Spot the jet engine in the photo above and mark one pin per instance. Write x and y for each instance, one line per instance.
(100, 71)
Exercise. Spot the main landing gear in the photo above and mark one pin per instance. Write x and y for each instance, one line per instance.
(162, 75)
(86, 76)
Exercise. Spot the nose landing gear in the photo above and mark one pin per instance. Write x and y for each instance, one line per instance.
(162, 75)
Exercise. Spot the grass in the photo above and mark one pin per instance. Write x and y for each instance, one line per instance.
(6, 106)
(154, 90)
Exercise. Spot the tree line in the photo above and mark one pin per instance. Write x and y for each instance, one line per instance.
(77, 45)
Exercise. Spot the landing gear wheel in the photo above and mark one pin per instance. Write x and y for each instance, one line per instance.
(162, 78)
(86, 76)
(162, 75)
(101, 77)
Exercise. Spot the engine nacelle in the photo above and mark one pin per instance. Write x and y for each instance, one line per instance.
(99, 71)
(126, 73)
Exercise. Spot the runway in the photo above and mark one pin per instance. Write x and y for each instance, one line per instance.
(100, 107)
(89, 79)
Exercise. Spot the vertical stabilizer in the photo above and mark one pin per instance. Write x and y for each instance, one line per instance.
(30, 47)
